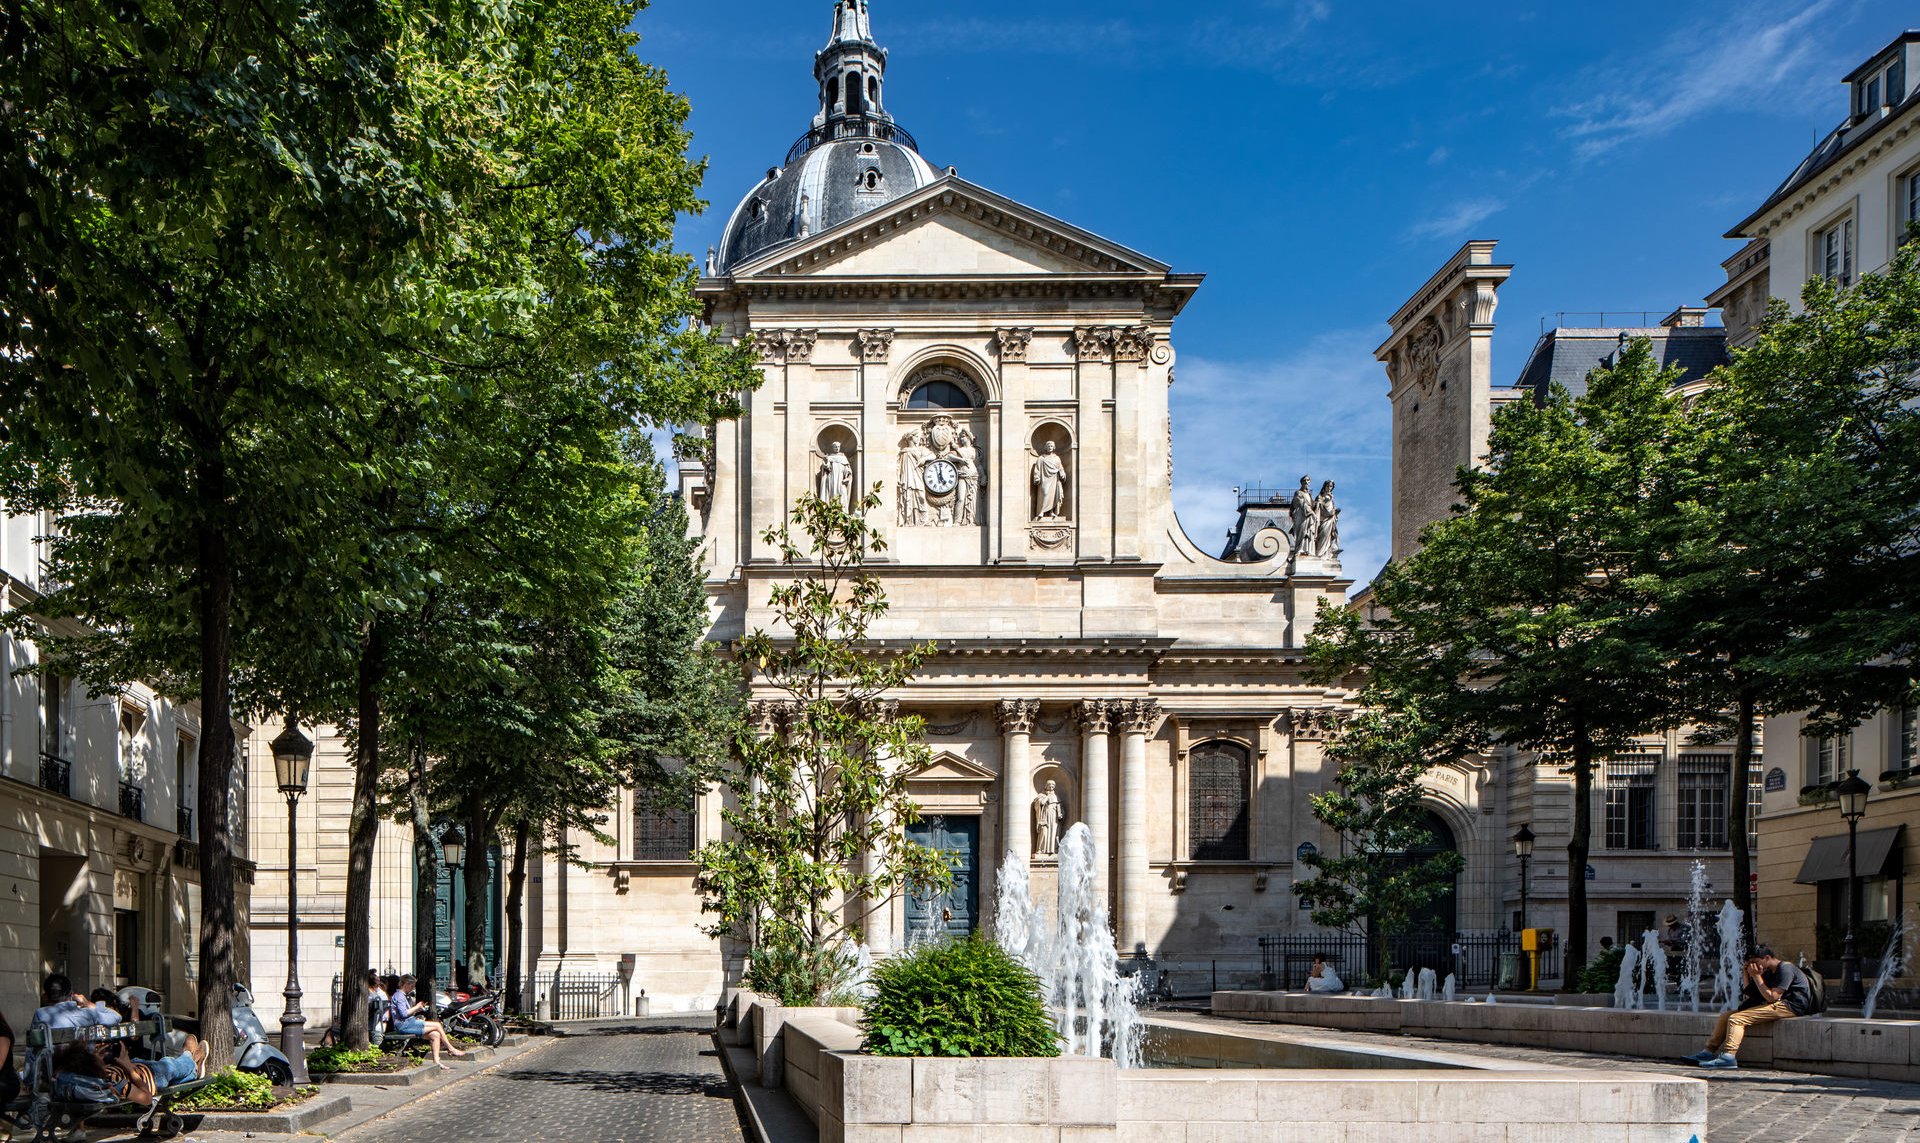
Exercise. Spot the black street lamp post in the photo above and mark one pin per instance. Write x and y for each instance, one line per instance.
(1523, 849)
(452, 850)
(1852, 791)
(292, 758)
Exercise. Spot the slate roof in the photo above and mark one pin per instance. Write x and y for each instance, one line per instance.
(1842, 139)
(1566, 356)
(820, 190)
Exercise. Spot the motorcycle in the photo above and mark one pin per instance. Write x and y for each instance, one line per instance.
(474, 1015)
(252, 1051)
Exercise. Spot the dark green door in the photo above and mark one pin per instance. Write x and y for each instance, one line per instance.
(449, 911)
(957, 911)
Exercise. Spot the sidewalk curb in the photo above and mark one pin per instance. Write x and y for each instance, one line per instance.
(293, 1121)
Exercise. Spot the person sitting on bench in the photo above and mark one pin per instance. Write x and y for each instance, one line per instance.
(404, 1019)
(106, 1074)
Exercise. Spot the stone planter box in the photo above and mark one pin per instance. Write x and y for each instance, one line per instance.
(289, 1121)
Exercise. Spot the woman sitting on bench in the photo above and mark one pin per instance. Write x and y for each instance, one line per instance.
(405, 1020)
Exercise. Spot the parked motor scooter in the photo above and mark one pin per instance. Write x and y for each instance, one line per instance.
(252, 1051)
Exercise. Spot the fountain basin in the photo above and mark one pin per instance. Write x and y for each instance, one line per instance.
(1821, 1045)
(1265, 1084)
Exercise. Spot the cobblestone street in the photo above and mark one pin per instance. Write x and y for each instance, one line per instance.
(655, 1081)
(1752, 1105)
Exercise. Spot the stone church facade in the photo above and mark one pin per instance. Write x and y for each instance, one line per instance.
(1003, 377)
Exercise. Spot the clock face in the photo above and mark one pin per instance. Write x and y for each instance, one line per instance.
(941, 477)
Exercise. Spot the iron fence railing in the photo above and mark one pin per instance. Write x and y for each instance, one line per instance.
(56, 774)
(575, 995)
(1475, 960)
(851, 127)
(133, 801)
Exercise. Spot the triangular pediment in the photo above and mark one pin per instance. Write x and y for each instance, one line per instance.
(949, 767)
(951, 229)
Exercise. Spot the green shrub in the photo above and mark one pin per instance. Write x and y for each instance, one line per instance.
(961, 998)
(232, 1088)
(793, 975)
(1602, 973)
(335, 1058)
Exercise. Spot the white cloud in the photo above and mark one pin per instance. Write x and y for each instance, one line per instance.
(1457, 220)
(1698, 69)
(1318, 409)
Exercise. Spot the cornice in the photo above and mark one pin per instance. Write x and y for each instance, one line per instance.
(1790, 201)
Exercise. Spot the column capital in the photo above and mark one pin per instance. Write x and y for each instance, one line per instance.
(880, 709)
(1313, 724)
(1016, 715)
(1138, 716)
(1095, 716)
(1012, 342)
(1094, 342)
(769, 715)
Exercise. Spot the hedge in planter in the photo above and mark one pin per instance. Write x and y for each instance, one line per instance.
(960, 998)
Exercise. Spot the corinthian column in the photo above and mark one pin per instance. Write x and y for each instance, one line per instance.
(1137, 718)
(1016, 776)
(1096, 720)
(881, 907)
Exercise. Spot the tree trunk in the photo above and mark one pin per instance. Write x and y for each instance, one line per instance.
(426, 865)
(1573, 953)
(218, 920)
(516, 889)
(479, 840)
(1737, 814)
(363, 830)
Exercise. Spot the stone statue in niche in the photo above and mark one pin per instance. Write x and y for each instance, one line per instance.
(1326, 513)
(966, 458)
(913, 484)
(1047, 814)
(1306, 519)
(940, 476)
(1049, 484)
(835, 479)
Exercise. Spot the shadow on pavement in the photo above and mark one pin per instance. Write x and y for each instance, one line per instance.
(630, 1083)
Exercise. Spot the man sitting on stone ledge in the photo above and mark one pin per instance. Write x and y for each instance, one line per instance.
(1771, 990)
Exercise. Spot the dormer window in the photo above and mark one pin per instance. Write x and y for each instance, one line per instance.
(1885, 85)
(870, 180)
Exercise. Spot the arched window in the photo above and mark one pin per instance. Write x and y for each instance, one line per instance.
(833, 90)
(1219, 788)
(939, 395)
(855, 104)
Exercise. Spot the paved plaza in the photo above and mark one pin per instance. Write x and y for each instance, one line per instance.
(1752, 1105)
(654, 1080)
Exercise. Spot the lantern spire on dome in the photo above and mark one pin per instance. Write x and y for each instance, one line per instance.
(851, 70)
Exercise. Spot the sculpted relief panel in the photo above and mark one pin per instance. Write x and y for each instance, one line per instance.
(940, 474)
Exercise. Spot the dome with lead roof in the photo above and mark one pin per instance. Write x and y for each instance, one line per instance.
(853, 159)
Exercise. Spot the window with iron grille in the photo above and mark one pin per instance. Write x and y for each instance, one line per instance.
(1219, 786)
(662, 832)
(1703, 801)
(1630, 786)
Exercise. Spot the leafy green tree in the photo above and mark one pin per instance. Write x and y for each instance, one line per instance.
(816, 839)
(204, 204)
(1788, 525)
(1377, 882)
(1514, 622)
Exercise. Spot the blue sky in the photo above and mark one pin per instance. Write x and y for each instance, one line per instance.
(1318, 161)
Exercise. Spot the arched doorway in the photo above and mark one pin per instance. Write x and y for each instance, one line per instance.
(1441, 914)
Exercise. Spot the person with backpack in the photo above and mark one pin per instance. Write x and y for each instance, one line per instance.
(1771, 989)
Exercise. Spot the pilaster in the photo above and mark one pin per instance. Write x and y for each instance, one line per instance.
(1095, 464)
(1008, 422)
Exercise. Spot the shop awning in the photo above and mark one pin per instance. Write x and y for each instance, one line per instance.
(1827, 856)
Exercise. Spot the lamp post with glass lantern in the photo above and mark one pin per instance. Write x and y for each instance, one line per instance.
(1523, 849)
(1852, 792)
(452, 850)
(292, 758)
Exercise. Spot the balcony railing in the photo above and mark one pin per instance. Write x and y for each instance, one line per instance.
(56, 774)
(185, 822)
(851, 127)
(133, 801)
